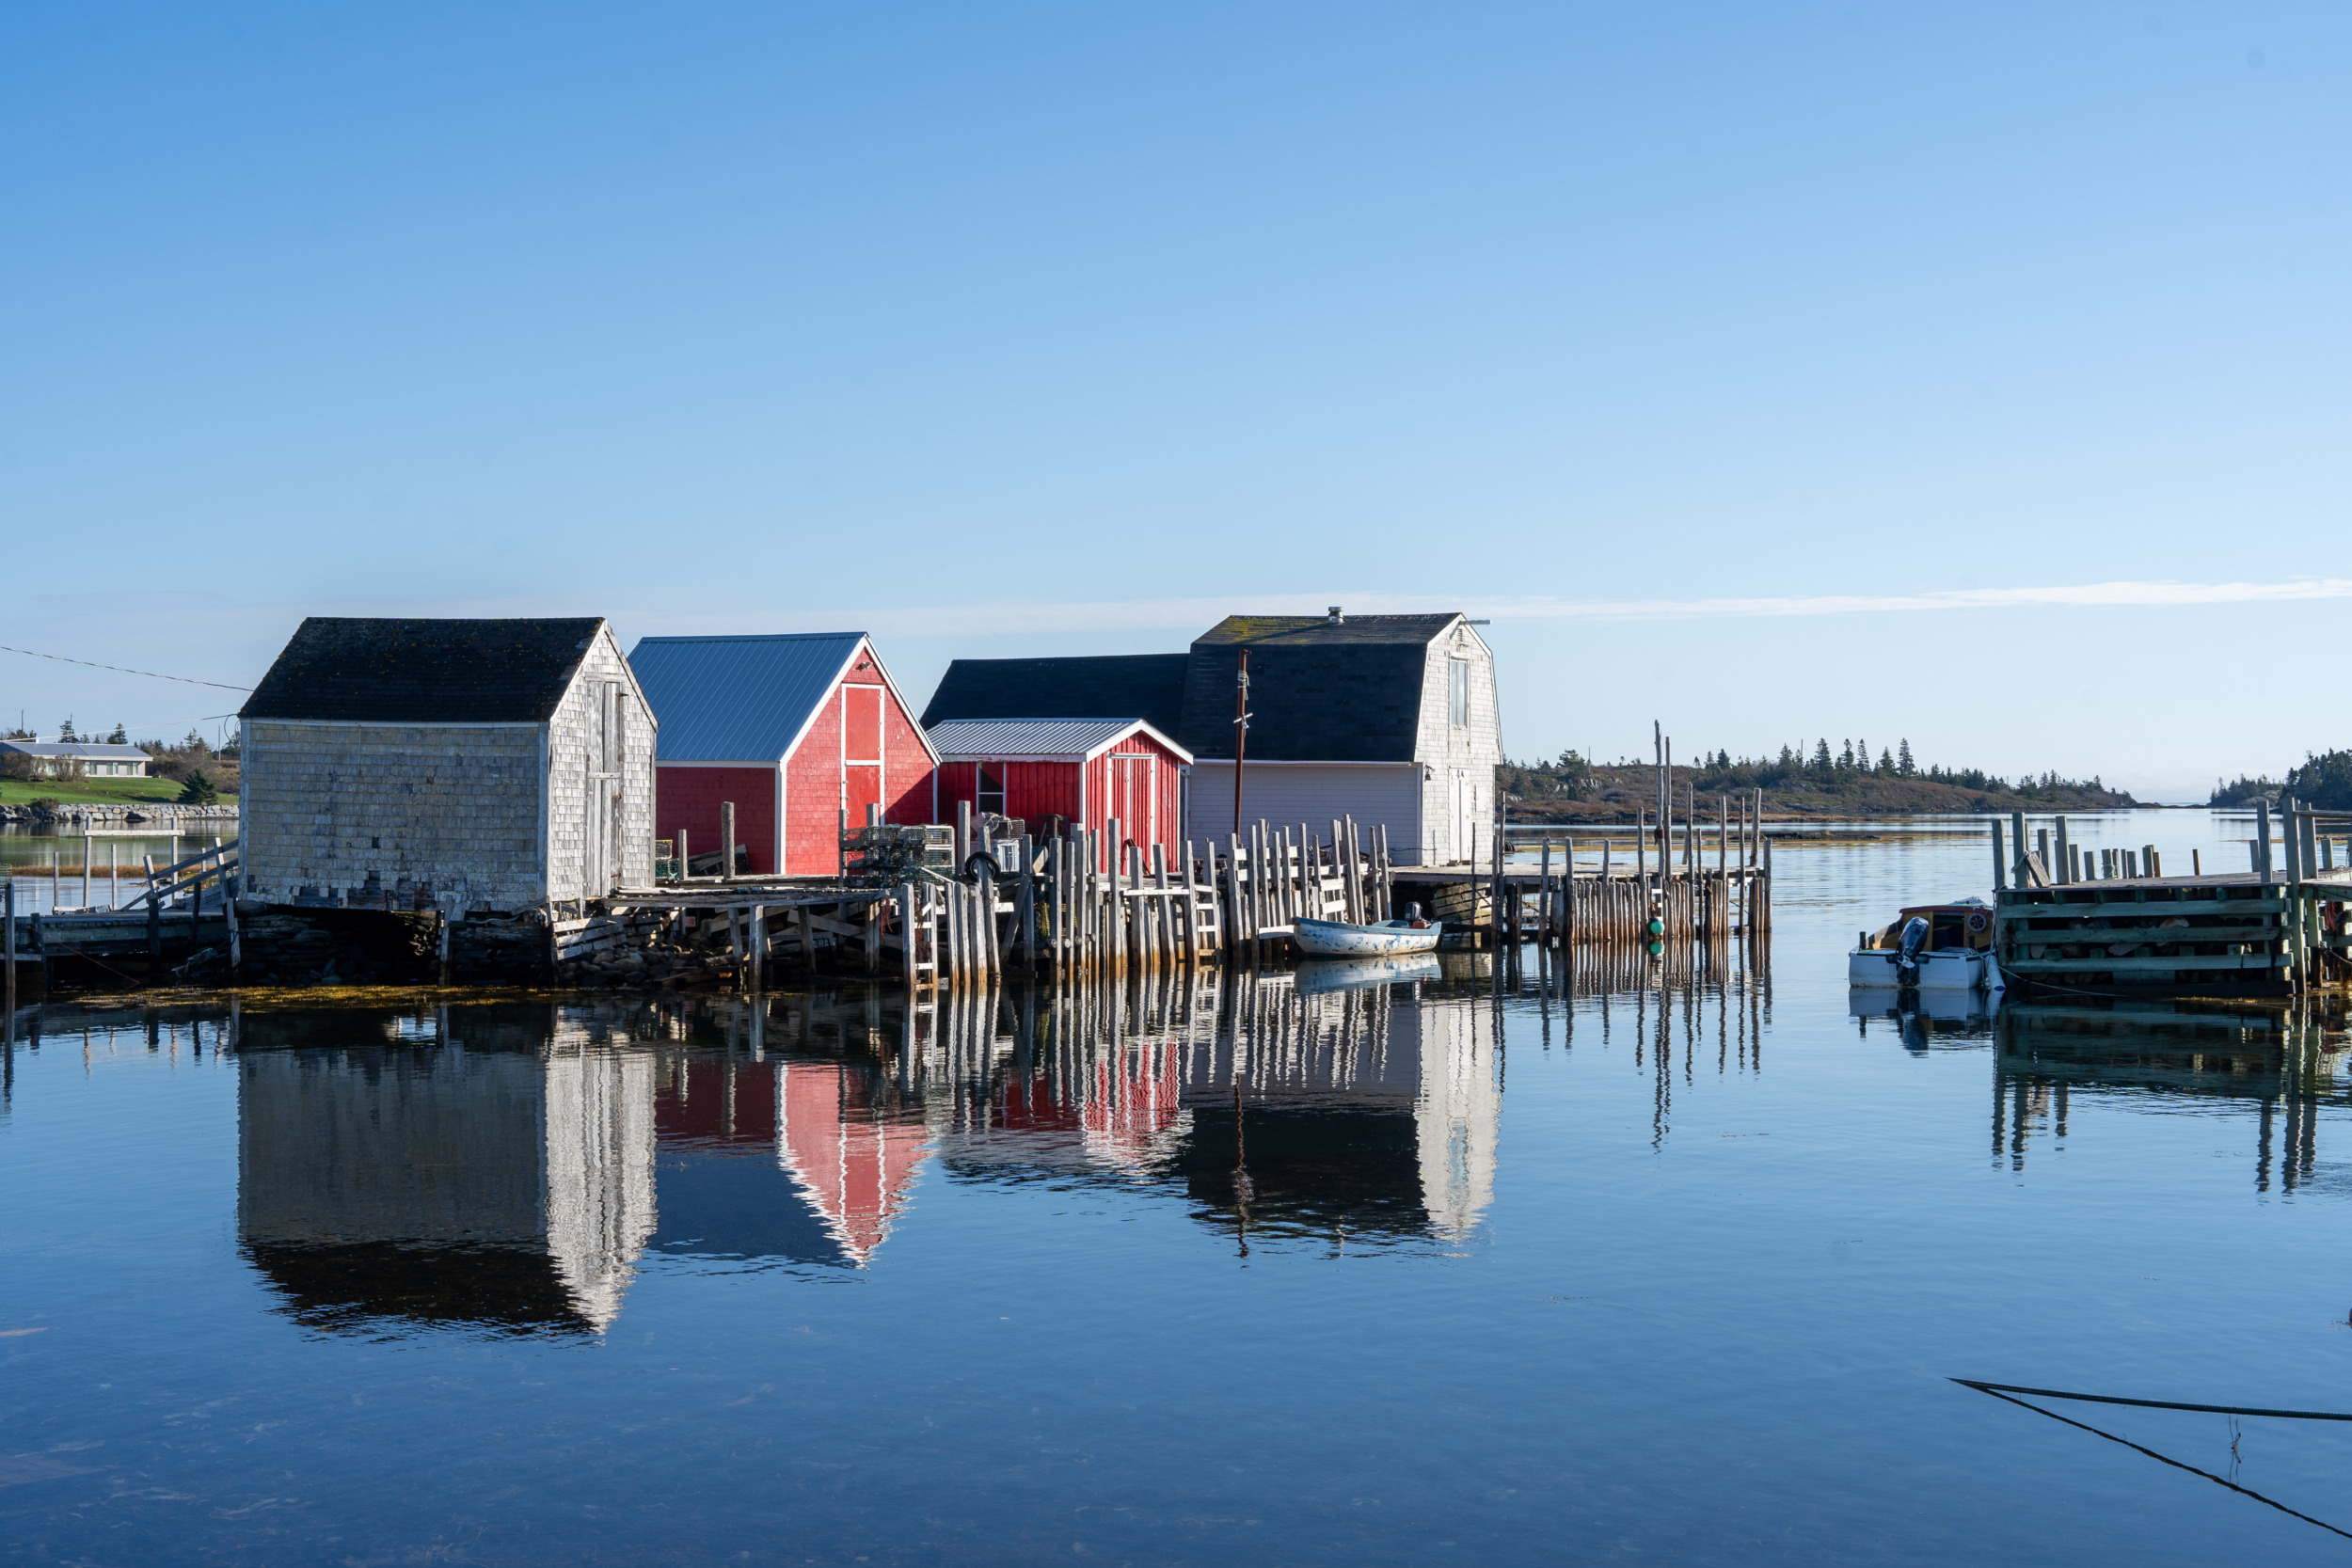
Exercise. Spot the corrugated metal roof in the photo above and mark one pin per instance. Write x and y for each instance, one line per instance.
(738, 699)
(1024, 738)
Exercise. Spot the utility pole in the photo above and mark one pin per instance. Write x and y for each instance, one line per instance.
(1241, 731)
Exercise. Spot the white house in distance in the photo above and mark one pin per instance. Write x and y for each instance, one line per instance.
(98, 759)
(508, 763)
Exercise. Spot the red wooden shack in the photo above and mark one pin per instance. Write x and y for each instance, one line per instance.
(794, 729)
(1090, 772)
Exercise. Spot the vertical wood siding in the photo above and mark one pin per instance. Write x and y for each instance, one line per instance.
(691, 797)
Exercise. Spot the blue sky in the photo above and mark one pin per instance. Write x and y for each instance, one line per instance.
(1719, 353)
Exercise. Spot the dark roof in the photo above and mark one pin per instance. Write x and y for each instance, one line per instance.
(422, 671)
(1150, 686)
(1317, 631)
(1320, 691)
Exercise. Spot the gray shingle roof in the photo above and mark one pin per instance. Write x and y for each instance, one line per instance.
(399, 670)
(1320, 691)
(738, 699)
(1150, 686)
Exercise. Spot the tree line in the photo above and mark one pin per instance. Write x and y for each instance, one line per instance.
(2323, 780)
(1798, 767)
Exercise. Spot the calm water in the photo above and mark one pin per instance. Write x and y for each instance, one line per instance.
(1434, 1271)
(116, 874)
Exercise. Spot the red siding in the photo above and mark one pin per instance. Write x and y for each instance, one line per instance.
(817, 787)
(1036, 789)
(689, 797)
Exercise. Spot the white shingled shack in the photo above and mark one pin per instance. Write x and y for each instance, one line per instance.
(498, 764)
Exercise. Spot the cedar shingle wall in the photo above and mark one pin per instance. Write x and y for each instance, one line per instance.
(571, 736)
(323, 804)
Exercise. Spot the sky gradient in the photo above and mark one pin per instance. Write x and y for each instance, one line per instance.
(1763, 369)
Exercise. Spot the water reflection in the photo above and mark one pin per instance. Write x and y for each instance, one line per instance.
(499, 1173)
(2285, 1063)
(1281, 1107)
(513, 1166)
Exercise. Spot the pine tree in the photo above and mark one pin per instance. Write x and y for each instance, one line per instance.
(64, 733)
(1903, 763)
(121, 737)
(1886, 764)
(1845, 760)
(1822, 761)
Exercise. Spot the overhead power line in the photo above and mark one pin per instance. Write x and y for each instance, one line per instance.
(121, 671)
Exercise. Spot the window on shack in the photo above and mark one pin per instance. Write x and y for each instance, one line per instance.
(988, 793)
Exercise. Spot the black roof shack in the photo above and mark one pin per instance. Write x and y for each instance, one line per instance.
(397, 671)
(1321, 689)
(1150, 686)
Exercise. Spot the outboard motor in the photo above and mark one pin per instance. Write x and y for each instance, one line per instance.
(1915, 942)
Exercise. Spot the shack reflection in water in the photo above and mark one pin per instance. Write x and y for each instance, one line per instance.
(511, 1165)
(1279, 1108)
(499, 1174)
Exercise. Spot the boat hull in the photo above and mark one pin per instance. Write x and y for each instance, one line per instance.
(1333, 938)
(1950, 970)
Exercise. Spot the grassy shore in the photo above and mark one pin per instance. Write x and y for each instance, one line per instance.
(95, 792)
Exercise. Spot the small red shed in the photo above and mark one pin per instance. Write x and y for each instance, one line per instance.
(1088, 771)
(794, 729)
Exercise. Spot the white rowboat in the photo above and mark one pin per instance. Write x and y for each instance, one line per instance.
(1336, 939)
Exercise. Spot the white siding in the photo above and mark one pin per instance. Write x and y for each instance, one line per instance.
(1474, 750)
(1289, 793)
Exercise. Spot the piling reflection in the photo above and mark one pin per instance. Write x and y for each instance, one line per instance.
(1340, 1103)
(2283, 1063)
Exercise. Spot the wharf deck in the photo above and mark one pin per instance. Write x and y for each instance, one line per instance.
(2233, 933)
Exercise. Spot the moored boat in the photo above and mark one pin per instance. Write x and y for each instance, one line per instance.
(1929, 947)
(1336, 939)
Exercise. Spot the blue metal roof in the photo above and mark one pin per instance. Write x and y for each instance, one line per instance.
(738, 699)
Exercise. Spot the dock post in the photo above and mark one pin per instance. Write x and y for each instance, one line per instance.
(2262, 841)
(2017, 848)
(906, 936)
(154, 939)
(758, 921)
(2062, 867)
(1024, 904)
(2000, 861)
(727, 848)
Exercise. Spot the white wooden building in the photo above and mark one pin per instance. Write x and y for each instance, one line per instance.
(1391, 720)
(504, 763)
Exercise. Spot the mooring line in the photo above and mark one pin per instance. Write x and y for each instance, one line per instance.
(2154, 1405)
(1993, 1389)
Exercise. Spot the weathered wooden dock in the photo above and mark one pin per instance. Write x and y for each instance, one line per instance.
(2278, 928)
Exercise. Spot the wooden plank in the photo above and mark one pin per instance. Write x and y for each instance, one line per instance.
(2138, 965)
